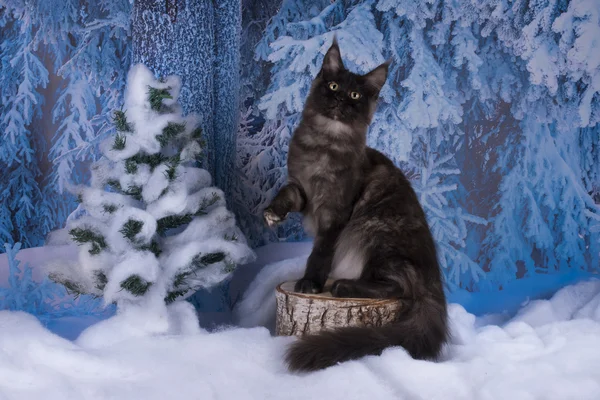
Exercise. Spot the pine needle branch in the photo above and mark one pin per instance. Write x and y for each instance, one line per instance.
(73, 288)
(210, 258)
(120, 121)
(174, 294)
(169, 132)
(156, 96)
(131, 228)
(101, 280)
(153, 247)
(174, 221)
(152, 160)
(119, 143)
(136, 285)
(81, 236)
(231, 238)
(133, 190)
(109, 208)
(172, 171)
(131, 166)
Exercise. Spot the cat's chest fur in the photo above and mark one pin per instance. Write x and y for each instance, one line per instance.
(324, 160)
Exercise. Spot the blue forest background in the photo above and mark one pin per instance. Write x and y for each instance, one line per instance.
(492, 108)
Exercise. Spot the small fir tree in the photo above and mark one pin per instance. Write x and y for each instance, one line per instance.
(153, 226)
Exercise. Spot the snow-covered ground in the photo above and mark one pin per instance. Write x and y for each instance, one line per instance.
(211, 316)
(550, 350)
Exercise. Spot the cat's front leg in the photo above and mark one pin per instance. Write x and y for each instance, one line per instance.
(290, 198)
(318, 265)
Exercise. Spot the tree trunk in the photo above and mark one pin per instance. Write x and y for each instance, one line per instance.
(227, 20)
(198, 40)
(300, 313)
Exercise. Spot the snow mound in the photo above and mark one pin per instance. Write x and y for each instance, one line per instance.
(142, 320)
(257, 307)
(537, 355)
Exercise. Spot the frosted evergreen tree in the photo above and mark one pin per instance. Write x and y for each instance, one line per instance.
(544, 215)
(24, 214)
(87, 45)
(437, 187)
(154, 227)
(590, 140)
(254, 78)
(478, 58)
(94, 69)
(419, 122)
(544, 219)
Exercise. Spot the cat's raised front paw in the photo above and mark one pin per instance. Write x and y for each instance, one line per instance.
(270, 217)
(307, 286)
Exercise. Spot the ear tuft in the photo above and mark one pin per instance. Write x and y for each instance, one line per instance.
(378, 76)
(332, 62)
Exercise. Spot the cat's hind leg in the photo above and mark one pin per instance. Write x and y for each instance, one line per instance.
(361, 288)
(384, 275)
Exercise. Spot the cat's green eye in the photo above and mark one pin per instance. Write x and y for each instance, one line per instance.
(333, 86)
(354, 95)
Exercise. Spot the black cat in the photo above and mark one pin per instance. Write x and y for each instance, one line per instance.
(371, 234)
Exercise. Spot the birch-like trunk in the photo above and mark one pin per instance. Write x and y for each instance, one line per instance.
(301, 314)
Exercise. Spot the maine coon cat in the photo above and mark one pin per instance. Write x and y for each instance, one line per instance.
(370, 232)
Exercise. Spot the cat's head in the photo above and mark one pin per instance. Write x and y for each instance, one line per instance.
(340, 95)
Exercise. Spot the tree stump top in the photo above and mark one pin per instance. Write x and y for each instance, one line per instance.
(302, 313)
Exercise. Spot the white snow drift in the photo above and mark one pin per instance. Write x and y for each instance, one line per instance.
(550, 350)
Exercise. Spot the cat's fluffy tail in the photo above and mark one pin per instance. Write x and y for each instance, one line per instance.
(423, 338)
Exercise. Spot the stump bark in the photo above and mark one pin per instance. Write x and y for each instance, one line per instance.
(303, 314)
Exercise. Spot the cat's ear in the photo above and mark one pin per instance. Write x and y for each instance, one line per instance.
(377, 77)
(332, 63)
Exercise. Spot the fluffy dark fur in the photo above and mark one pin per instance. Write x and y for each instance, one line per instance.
(371, 234)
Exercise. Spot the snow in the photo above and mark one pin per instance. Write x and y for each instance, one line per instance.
(139, 321)
(257, 308)
(35, 257)
(143, 264)
(146, 122)
(217, 223)
(550, 350)
(146, 233)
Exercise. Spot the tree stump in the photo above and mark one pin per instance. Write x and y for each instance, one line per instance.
(303, 314)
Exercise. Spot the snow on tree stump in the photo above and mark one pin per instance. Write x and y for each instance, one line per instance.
(303, 314)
